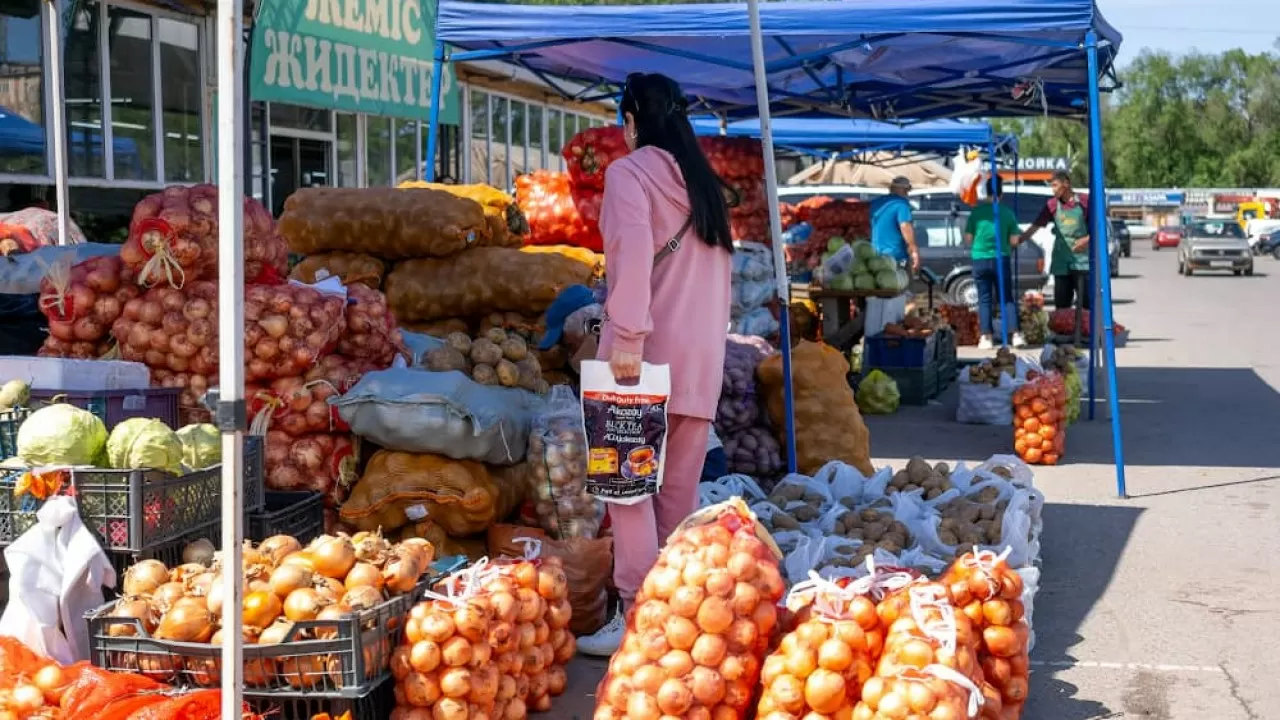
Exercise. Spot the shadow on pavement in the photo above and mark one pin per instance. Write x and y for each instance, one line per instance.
(1080, 549)
(1198, 417)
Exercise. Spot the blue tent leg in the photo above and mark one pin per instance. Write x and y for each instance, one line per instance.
(1098, 207)
(1000, 278)
(433, 124)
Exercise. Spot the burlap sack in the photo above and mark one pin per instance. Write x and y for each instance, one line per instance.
(390, 223)
(828, 424)
(480, 281)
(460, 496)
(349, 267)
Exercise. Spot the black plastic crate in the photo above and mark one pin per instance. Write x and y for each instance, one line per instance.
(116, 406)
(353, 661)
(377, 704)
(944, 345)
(127, 510)
(254, 488)
(10, 421)
(916, 386)
(892, 351)
(299, 514)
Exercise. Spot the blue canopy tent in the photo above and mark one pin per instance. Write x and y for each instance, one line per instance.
(823, 136)
(878, 59)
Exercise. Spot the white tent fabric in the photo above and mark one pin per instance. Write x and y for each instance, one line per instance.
(875, 170)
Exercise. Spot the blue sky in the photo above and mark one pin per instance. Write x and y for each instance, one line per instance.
(1181, 25)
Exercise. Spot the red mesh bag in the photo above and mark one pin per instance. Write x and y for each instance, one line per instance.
(82, 301)
(549, 205)
(590, 152)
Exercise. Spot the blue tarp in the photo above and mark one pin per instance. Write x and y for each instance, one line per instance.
(840, 133)
(20, 136)
(884, 59)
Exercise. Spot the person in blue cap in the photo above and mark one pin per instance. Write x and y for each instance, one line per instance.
(573, 322)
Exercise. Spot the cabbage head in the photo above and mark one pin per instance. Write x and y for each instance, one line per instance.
(835, 243)
(201, 445)
(878, 394)
(144, 443)
(61, 434)
(887, 280)
(863, 250)
(864, 281)
(879, 263)
(843, 281)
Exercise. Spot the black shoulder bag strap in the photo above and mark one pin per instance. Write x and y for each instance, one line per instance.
(673, 244)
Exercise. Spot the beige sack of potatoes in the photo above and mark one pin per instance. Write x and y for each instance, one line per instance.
(389, 223)
(828, 424)
(349, 267)
(506, 221)
(478, 282)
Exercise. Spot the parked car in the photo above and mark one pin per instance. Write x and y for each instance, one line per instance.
(1167, 236)
(1268, 244)
(1120, 231)
(1139, 230)
(798, 193)
(1215, 244)
(940, 237)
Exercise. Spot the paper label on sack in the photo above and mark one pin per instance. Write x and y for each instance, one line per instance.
(325, 286)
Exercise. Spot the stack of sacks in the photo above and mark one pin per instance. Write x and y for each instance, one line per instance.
(753, 291)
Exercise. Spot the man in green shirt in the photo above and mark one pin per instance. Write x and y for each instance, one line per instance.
(980, 236)
(1068, 211)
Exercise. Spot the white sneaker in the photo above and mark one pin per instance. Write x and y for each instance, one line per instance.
(605, 641)
(1019, 341)
(984, 343)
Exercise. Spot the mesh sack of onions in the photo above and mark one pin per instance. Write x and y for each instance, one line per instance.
(340, 371)
(173, 239)
(288, 328)
(172, 329)
(319, 462)
(371, 333)
(701, 624)
(481, 281)
(926, 640)
(734, 158)
(82, 301)
(191, 407)
(295, 406)
(53, 347)
(349, 267)
(587, 563)
(589, 153)
(547, 200)
(823, 661)
(989, 593)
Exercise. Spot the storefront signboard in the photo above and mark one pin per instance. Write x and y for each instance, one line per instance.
(368, 56)
(1146, 198)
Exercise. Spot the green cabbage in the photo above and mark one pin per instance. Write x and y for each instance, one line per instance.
(864, 281)
(880, 263)
(841, 282)
(61, 434)
(878, 394)
(835, 243)
(887, 280)
(145, 443)
(863, 250)
(201, 445)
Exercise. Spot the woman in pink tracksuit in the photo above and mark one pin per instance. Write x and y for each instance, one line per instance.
(667, 253)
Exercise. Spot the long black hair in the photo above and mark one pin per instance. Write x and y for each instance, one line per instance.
(658, 107)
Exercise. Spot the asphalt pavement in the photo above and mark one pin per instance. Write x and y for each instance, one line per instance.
(1160, 605)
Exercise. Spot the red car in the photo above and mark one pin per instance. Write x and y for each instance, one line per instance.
(1168, 236)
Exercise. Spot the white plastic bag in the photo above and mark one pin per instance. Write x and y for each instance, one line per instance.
(743, 486)
(56, 574)
(981, 404)
(626, 431)
(966, 176)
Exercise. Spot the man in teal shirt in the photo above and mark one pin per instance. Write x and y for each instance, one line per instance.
(980, 235)
(891, 230)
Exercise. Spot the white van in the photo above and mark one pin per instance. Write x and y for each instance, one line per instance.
(798, 193)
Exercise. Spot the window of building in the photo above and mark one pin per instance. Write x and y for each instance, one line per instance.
(536, 159)
(133, 139)
(347, 130)
(377, 166)
(82, 78)
(180, 93)
(406, 150)
(478, 155)
(511, 136)
(22, 80)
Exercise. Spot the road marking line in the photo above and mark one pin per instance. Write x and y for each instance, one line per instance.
(1127, 666)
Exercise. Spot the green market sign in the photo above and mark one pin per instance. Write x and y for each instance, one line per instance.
(369, 56)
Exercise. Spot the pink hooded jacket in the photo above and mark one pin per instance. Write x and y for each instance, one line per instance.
(677, 313)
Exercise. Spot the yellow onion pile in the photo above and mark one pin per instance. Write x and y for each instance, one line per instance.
(494, 649)
(332, 579)
(701, 625)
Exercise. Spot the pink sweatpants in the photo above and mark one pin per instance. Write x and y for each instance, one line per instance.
(640, 530)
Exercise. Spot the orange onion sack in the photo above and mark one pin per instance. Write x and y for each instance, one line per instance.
(823, 661)
(701, 625)
(83, 301)
(547, 201)
(989, 593)
(288, 328)
(590, 153)
(173, 239)
(1040, 419)
(320, 462)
